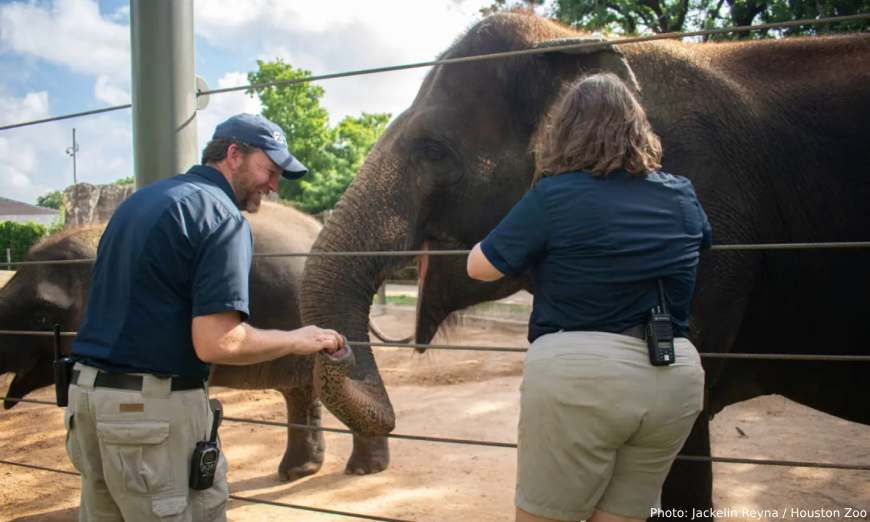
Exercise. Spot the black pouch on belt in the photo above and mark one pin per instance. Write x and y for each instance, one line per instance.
(206, 454)
(63, 367)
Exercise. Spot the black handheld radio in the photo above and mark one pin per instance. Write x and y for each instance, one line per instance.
(206, 454)
(660, 332)
(62, 366)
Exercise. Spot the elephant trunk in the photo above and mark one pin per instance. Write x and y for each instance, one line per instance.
(337, 293)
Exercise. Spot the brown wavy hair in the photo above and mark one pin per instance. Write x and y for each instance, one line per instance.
(597, 126)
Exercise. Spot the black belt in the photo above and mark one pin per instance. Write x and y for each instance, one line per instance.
(125, 381)
(638, 331)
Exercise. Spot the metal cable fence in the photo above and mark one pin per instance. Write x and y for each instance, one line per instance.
(511, 445)
(252, 500)
(829, 245)
(517, 349)
(420, 438)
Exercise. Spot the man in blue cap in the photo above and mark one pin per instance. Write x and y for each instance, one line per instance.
(169, 297)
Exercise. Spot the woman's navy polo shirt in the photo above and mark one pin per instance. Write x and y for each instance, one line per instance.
(176, 249)
(597, 245)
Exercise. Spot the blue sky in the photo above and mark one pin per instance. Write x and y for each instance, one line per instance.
(61, 56)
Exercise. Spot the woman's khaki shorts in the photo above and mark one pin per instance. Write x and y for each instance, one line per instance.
(599, 425)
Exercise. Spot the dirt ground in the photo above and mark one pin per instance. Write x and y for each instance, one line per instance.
(471, 395)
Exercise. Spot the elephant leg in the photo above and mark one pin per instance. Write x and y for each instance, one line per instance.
(371, 454)
(305, 448)
(679, 501)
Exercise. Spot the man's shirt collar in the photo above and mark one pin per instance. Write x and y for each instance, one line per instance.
(214, 175)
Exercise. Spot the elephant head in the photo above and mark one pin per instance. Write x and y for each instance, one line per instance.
(441, 176)
(38, 297)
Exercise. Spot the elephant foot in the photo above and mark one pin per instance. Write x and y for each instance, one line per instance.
(288, 472)
(305, 448)
(371, 454)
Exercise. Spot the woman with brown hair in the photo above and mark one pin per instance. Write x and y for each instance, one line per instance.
(605, 237)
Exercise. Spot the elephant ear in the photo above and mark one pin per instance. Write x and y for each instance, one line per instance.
(604, 57)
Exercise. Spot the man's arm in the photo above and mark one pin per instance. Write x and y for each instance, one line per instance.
(223, 338)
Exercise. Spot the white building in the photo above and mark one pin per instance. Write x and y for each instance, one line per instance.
(11, 210)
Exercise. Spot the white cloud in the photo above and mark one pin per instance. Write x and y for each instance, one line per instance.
(105, 90)
(35, 160)
(33, 106)
(335, 35)
(121, 15)
(324, 36)
(70, 33)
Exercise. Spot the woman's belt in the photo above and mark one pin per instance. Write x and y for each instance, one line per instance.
(637, 331)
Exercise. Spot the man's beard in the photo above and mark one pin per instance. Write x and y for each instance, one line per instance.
(249, 197)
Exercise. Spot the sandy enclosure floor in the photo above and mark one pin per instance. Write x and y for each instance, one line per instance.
(471, 395)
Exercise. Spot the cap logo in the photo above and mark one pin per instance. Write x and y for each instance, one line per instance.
(279, 137)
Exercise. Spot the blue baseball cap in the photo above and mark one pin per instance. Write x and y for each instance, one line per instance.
(257, 131)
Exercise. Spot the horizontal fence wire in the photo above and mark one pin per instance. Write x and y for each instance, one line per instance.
(255, 500)
(41, 468)
(517, 349)
(491, 444)
(481, 57)
(542, 50)
(36, 333)
(252, 500)
(708, 355)
(835, 245)
(65, 116)
(512, 445)
(31, 401)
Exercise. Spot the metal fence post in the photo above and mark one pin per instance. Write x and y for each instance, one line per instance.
(163, 88)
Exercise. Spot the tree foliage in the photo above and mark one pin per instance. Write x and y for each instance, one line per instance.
(53, 199)
(19, 237)
(661, 16)
(664, 16)
(332, 155)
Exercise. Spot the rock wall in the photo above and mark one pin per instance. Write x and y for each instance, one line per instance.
(86, 204)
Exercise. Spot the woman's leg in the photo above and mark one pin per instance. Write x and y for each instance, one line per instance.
(524, 516)
(598, 516)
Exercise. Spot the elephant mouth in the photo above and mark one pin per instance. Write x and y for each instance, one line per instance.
(432, 307)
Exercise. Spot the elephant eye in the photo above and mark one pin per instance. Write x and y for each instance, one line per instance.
(432, 150)
(41, 322)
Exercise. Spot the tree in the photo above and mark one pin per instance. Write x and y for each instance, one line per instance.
(53, 199)
(662, 16)
(510, 5)
(332, 155)
(19, 237)
(352, 139)
(129, 180)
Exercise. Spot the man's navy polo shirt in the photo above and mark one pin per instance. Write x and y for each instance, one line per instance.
(176, 249)
(597, 245)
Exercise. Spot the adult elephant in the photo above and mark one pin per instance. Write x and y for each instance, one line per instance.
(39, 296)
(773, 135)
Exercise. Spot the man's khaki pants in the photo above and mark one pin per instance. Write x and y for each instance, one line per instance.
(133, 450)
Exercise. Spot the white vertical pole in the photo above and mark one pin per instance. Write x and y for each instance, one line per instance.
(163, 88)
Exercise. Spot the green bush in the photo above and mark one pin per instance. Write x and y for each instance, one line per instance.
(18, 237)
